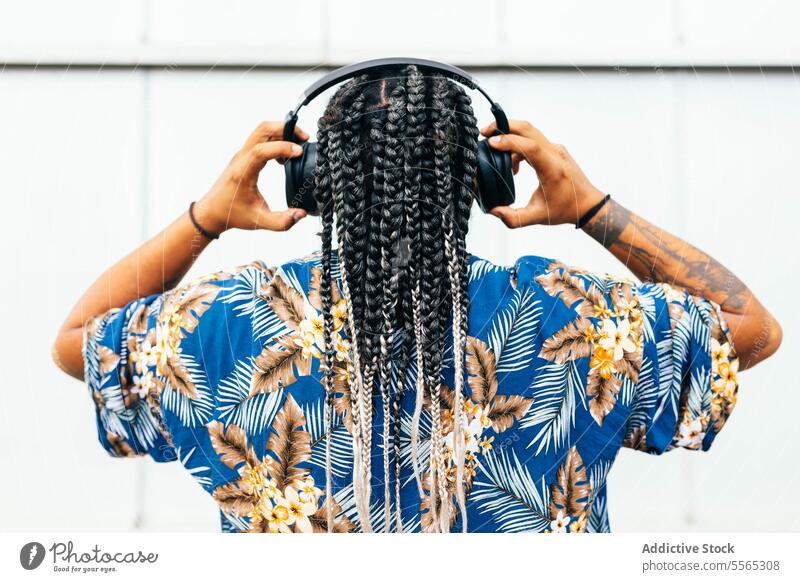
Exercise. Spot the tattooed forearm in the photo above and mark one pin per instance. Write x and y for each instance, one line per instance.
(607, 226)
(655, 255)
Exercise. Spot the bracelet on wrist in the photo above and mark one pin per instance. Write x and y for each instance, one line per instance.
(584, 220)
(200, 229)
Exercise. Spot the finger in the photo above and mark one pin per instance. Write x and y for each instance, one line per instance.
(535, 212)
(271, 130)
(527, 148)
(515, 161)
(265, 131)
(519, 217)
(261, 153)
(298, 133)
(517, 127)
(527, 129)
(280, 221)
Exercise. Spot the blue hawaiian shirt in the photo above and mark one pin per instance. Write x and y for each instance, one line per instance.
(564, 367)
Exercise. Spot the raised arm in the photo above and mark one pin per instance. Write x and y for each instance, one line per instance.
(160, 263)
(565, 194)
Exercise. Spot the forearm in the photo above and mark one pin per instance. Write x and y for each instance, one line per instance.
(156, 266)
(654, 254)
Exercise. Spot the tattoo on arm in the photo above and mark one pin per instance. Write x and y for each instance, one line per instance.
(655, 255)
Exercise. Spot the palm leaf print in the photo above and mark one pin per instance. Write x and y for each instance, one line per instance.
(345, 498)
(235, 500)
(138, 321)
(263, 483)
(187, 395)
(278, 365)
(107, 358)
(597, 476)
(697, 396)
(513, 332)
(646, 396)
(188, 304)
(181, 312)
(113, 413)
(197, 472)
(287, 303)
(235, 404)
(482, 371)
(231, 445)
(377, 517)
(571, 492)
(153, 399)
(506, 409)
(313, 289)
(636, 438)
(479, 268)
(598, 518)
(244, 295)
(630, 365)
(341, 441)
(569, 343)
(180, 379)
(556, 390)
(646, 295)
(509, 494)
(572, 291)
(598, 511)
(665, 374)
(144, 424)
(424, 447)
(319, 521)
(120, 447)
(230, 523)
(681, 344)
(602, 393)
(289, 443)
(701, 330)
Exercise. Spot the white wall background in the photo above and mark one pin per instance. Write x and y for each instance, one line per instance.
(114, 116)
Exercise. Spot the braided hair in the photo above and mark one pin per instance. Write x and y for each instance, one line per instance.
(396, 164)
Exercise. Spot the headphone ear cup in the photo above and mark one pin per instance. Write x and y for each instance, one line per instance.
(301, 179)
(495, 177)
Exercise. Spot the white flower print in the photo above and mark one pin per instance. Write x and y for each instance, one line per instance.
(691, 433)
(299, 509)
(142, 384)
(560, 523)
(616, 338)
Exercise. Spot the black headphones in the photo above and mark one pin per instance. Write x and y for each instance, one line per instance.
(495, 178)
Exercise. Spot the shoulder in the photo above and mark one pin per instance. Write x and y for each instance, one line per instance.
(248, 281)
(524, 271)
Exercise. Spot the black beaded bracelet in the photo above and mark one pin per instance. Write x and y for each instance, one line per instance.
(199, 228)
(583, 220)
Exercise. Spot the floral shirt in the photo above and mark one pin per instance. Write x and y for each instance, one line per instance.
(564, 368)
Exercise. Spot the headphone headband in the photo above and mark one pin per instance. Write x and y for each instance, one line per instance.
(348, 72)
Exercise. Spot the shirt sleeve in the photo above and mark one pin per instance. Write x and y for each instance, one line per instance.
(122, 385)
(687, 384)
(149, 366)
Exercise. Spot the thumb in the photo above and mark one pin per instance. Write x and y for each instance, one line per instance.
(534, 213)
(281, 220)
(509, 216)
